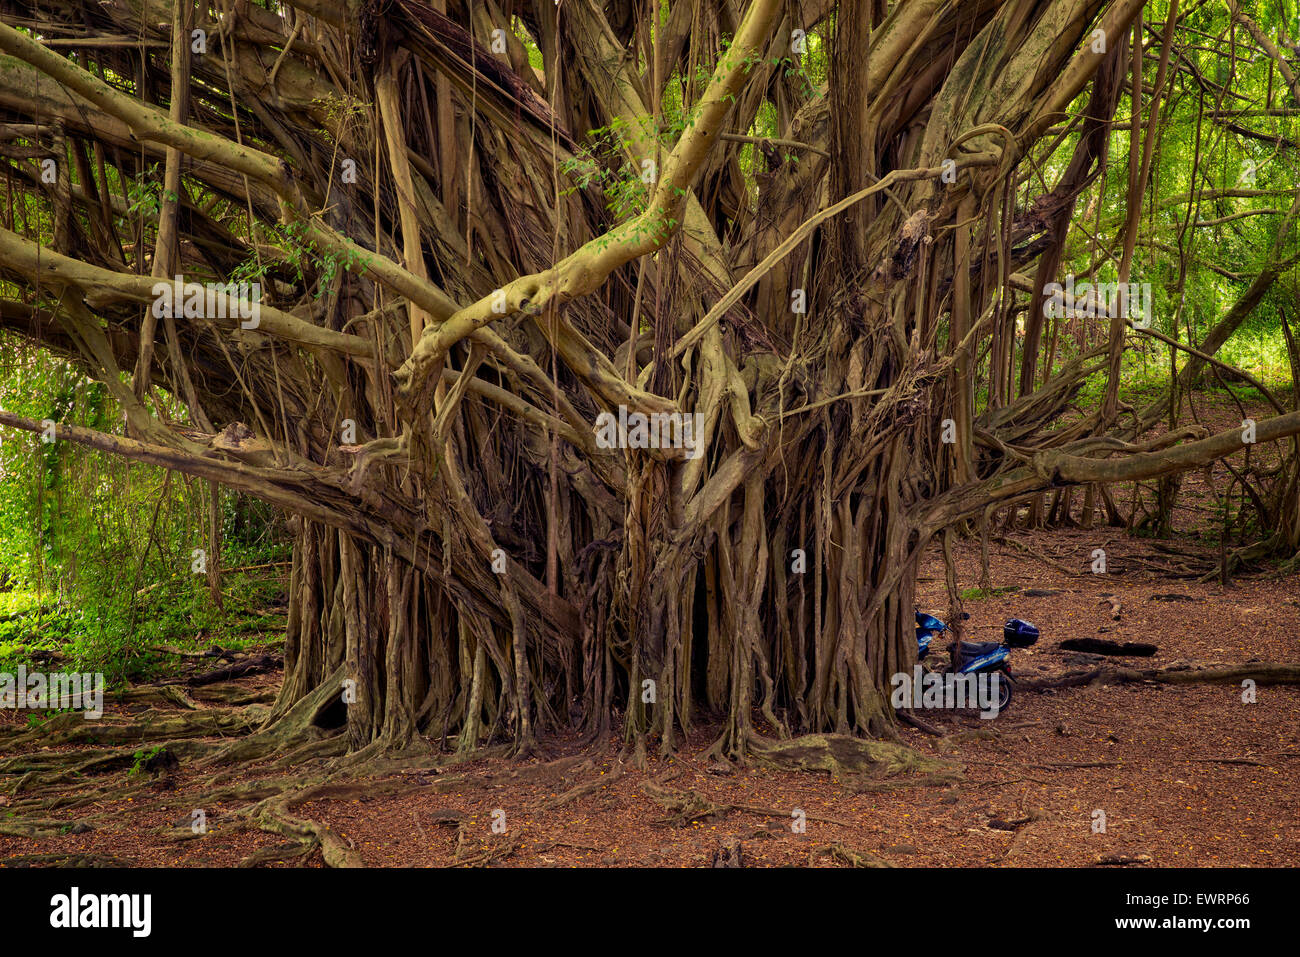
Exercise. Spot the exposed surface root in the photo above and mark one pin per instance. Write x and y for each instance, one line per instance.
(298, 726)
(153, 725)
(480, 852)
(1263, 673)
(683, 807)
(42, 781)
(687, 807)
(860, 763)
(68, 860)
(847, 855)
(587, 787)
(311, 834)
(281, 852)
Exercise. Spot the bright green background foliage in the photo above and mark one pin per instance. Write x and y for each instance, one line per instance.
(95, 552)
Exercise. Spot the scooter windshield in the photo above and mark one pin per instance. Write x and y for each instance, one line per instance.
(926, 622)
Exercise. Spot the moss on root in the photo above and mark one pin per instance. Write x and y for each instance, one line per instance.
(860, 763)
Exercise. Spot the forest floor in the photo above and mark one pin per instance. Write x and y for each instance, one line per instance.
(1180, 775)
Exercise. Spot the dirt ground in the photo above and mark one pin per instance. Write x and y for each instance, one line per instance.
(1185, 775)
(1181, 775)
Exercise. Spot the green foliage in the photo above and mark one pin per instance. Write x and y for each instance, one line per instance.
(1190, 209)
(143, 757)
(603, 162)
(979, 594)
(95, 552)
(304, 259)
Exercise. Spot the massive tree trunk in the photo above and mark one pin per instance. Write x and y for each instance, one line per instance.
(466, 259)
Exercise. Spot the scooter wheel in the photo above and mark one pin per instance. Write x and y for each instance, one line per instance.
(1004, 690)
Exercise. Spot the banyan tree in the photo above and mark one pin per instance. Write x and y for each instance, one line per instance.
(819, 233)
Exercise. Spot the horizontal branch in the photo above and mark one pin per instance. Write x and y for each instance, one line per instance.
(272, 485)
(1055, 469)
(318, 493)
(146, 122)
(150, 124)
(99, 285)
(1065, 469)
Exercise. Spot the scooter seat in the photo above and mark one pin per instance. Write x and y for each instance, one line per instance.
(968, 651)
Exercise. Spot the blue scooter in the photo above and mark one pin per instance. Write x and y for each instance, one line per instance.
(975, 657)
